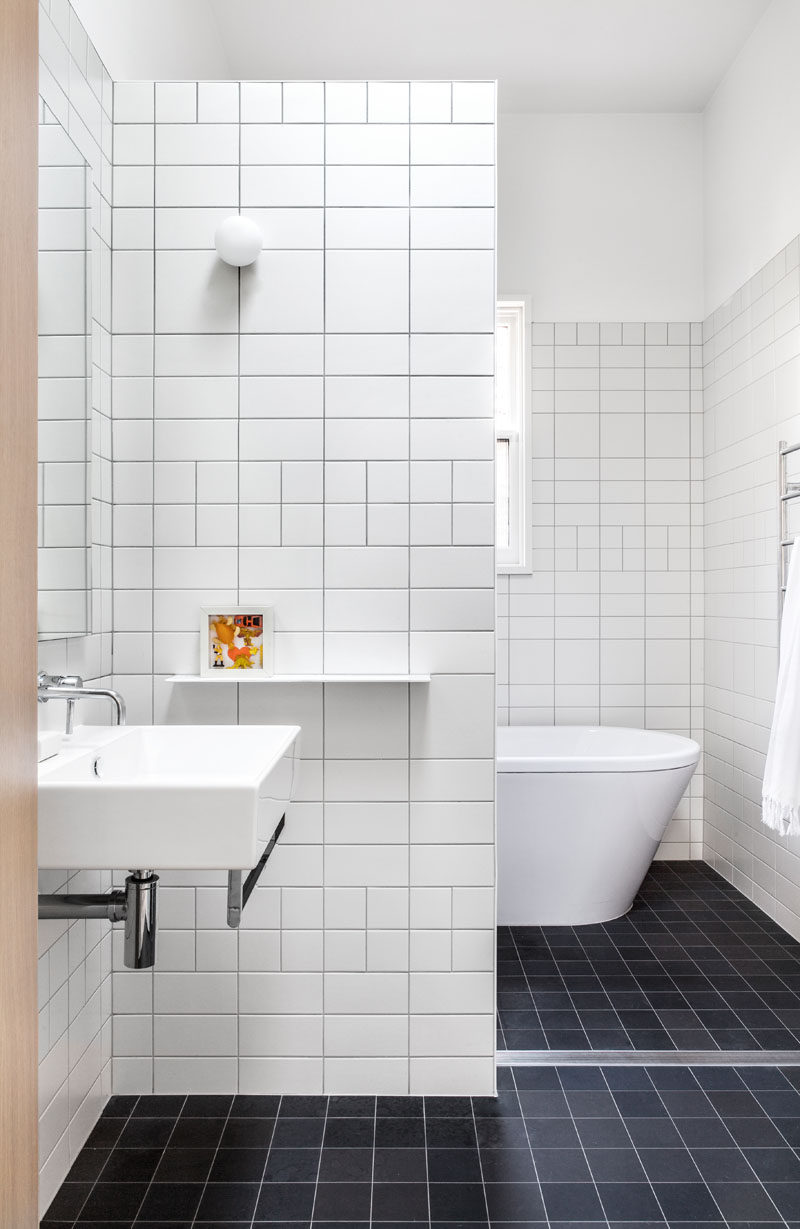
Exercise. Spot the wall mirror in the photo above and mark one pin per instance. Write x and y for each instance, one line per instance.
(65, 377)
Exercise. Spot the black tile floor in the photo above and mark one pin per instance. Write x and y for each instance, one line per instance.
(564, 1147)
(694, 965)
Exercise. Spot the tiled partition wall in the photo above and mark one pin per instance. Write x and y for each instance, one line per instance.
(752, 378)
(608, 627)
(316, 433)
(75, 958)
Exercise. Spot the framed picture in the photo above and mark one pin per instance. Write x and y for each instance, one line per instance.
(236, 638)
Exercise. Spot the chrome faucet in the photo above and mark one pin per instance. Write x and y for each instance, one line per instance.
(70, 687)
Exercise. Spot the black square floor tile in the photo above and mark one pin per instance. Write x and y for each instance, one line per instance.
(120, 1200)
(774, 1164)
(458, 1132)
(298, 1132)
(628, 1201)
(401, 1201)
(88, 1164)
(615, 1165)
(171, 1201)
(400, 1107)
(247, 1133)
(226, 1201)
(207, 1107)
(197, 1133)
(68, 1202)
(303, 1107)
(184, 1165)
(754, 1132)
(669, 1165)
(549, 1133)
(572, 1201)
(507, 1165)
(286, 1201)
(561, 1165)
(786, 1197)
(693, 966)
(238, 1165)
(686, 1201)
(454, 1165)
(743, 1201)
(457, 1201)
(514, 1201)
(349, 1132)
(119, 1106)
(156, 1106)
(292, 1165)
(255, 1106)
(345, 1165)
(343, 1201)
(604, 1132)
(146, 1132)
(400, 1165)
(131, 1165)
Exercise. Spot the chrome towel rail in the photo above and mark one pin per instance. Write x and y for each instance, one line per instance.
(786, 492)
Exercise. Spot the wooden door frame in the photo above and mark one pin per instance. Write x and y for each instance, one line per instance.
(19, 65)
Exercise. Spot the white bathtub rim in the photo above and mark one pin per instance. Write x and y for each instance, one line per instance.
(653, 750)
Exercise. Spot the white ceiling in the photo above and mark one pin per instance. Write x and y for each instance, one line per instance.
(549, 55)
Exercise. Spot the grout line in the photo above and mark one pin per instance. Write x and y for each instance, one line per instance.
(163, 1150)
(319, 1162)
(266, 1159)
(530, 1147)
(691, 1149)
(374, 1145)
(110, 1150)
(425, 1136)
(719, 906)
(213, 1159)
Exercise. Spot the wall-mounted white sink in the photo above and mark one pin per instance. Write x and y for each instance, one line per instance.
(166, 797)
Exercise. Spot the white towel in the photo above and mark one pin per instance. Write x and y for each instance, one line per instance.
(780, 798)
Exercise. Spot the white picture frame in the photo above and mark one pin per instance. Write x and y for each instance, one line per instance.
(230, 644)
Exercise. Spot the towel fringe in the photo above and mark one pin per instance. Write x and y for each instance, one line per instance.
(783, 817)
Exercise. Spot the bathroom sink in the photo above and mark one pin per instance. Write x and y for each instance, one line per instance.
(165, 797)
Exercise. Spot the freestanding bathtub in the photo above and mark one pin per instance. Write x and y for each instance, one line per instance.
(581, 811)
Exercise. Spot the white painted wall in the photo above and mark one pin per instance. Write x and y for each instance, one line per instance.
(600, 216)
(752, 143)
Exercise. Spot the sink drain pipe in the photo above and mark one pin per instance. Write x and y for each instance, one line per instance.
(135, 905)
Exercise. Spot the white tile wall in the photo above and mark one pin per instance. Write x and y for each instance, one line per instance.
(75, 959)
(316, 433)
(751, 363)
(608, 627)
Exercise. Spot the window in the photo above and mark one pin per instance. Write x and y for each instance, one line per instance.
(511, 412)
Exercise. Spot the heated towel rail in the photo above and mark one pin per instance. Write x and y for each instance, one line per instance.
(786, 492)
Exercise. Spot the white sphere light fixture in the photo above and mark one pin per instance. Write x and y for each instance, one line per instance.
(238, 240)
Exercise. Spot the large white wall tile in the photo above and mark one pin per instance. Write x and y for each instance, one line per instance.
(264, 435)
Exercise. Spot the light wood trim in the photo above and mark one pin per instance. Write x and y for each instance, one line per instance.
(18, 343)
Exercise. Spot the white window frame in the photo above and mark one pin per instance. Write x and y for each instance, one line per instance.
(517, 556)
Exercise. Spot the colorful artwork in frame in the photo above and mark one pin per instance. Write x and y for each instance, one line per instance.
(238, 638)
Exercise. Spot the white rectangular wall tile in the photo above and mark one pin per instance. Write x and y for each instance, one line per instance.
(75, 958)
(750, 366)
(270, 446)
(608, 628)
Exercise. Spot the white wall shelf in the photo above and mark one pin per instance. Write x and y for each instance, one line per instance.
(231, 676)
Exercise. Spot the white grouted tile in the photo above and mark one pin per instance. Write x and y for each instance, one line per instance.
(604, 630)
(75, 958)
(270, 446)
